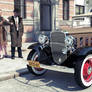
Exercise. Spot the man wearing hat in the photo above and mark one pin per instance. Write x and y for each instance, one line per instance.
(16, 32)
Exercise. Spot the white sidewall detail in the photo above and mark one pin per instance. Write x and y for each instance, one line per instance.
(82, 79)
(38, 72)
(34, 69)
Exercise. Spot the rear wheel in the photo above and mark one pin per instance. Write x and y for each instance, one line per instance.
(83, 72)
(37, 71)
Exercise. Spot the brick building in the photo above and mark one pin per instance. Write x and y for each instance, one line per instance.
(40, 16)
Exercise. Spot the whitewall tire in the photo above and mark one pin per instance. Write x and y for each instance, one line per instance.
(83, 72)
(36, 71)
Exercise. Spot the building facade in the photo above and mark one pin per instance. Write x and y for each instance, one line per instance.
(83, 8)
(88, 6)
(40, 16)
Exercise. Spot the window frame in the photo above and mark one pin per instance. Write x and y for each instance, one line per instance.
(79, 9)
(18, 5)
(66, 10)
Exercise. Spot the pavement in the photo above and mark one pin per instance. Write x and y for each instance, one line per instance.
(13, 68)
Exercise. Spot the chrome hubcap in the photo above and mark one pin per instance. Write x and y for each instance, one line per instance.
(89, 70)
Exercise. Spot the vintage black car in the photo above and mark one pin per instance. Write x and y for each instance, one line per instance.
(62, 50)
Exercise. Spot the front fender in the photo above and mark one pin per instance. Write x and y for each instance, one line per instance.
(44, 54)
(83, 51)
(35, 45)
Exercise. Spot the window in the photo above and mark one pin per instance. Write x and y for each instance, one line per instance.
(45, 15)
(20, 5)
(65, 9)
(79, 9)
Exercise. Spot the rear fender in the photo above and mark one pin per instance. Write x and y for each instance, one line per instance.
(83, 51)
(79, 54)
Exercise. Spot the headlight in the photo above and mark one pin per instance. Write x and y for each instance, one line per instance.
(42, 39)
(69, 40)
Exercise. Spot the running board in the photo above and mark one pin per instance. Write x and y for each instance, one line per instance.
(50, 67)
(57, 68)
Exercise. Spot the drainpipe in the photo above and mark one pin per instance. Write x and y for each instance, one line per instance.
(22, 8)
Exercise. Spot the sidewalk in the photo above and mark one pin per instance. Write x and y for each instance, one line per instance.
(12, 68)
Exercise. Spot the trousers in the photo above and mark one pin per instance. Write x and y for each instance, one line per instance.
(13, 51)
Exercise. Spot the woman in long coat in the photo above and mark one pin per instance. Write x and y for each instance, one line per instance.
(3, 40)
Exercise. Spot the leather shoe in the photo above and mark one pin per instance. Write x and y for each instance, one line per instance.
(20, 56)
(12, 57)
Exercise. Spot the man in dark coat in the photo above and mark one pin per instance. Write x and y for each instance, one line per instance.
(16, 32)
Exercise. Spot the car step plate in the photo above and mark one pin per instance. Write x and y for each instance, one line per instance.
(50, 67)
(57, 68)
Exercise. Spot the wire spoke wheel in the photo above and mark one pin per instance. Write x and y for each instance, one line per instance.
(36, 71)
(83, 72)
(87, 70)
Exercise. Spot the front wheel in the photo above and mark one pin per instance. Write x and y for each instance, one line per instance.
(37, 71)
(83, 72)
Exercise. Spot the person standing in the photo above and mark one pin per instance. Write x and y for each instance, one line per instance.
(16, 32)
(3, 37)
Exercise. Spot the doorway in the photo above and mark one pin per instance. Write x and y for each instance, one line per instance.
(45, 15)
